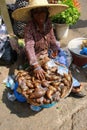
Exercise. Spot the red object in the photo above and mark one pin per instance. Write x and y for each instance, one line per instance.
(77, 4)
(79, 60)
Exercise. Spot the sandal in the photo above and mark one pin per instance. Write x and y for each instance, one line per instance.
(77, 95)
(77, 89)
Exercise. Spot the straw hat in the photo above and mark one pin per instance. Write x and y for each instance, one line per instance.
(23, 14)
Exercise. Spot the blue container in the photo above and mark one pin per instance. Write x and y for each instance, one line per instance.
(48, 105)
(18, 96)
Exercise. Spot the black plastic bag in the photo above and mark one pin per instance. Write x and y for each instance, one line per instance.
(9, 56)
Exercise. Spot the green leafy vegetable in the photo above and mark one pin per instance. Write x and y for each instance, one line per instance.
(70, 16)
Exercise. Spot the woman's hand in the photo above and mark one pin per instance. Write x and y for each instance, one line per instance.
(39, 73)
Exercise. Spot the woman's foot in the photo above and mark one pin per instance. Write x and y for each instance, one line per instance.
(76, 92)
(77, 89)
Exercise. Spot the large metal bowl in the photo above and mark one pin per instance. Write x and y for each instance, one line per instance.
(74, 47)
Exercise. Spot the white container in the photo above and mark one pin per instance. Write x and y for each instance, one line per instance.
(61, 31)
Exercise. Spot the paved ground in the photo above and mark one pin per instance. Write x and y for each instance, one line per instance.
(68, 114)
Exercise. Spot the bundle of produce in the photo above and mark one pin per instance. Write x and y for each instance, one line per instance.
(51, 89)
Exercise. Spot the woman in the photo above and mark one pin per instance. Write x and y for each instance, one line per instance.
(39, 35)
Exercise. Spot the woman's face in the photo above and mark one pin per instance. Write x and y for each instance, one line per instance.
(40, 15)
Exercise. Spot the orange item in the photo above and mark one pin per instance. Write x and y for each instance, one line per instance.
(77, 4)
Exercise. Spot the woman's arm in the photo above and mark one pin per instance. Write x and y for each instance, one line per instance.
(29, 45)
(53, 42)
(30, 51)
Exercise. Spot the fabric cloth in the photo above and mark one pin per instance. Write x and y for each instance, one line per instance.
(84, 51)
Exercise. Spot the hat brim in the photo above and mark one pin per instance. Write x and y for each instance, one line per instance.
(23, 14)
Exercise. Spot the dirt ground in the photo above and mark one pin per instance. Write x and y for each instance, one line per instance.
(68, 114)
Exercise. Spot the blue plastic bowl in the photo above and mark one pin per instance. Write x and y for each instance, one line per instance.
(48, 105)
(18, 96)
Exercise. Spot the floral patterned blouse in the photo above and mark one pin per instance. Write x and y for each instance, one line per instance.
(37, 42)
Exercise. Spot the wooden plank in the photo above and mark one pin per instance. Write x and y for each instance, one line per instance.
(10, 1)
(5, 15)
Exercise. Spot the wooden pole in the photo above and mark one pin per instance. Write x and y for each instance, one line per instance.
(6, 17)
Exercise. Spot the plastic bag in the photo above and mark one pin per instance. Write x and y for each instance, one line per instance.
(9, 56)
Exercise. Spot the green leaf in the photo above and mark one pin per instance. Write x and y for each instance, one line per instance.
(69, 16)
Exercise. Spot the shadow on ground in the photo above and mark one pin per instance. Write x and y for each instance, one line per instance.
(80, 24)
(18, 108)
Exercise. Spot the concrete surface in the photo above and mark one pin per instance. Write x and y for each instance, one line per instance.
(68, 114)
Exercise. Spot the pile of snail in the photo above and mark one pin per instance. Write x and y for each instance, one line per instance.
(46, 91)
